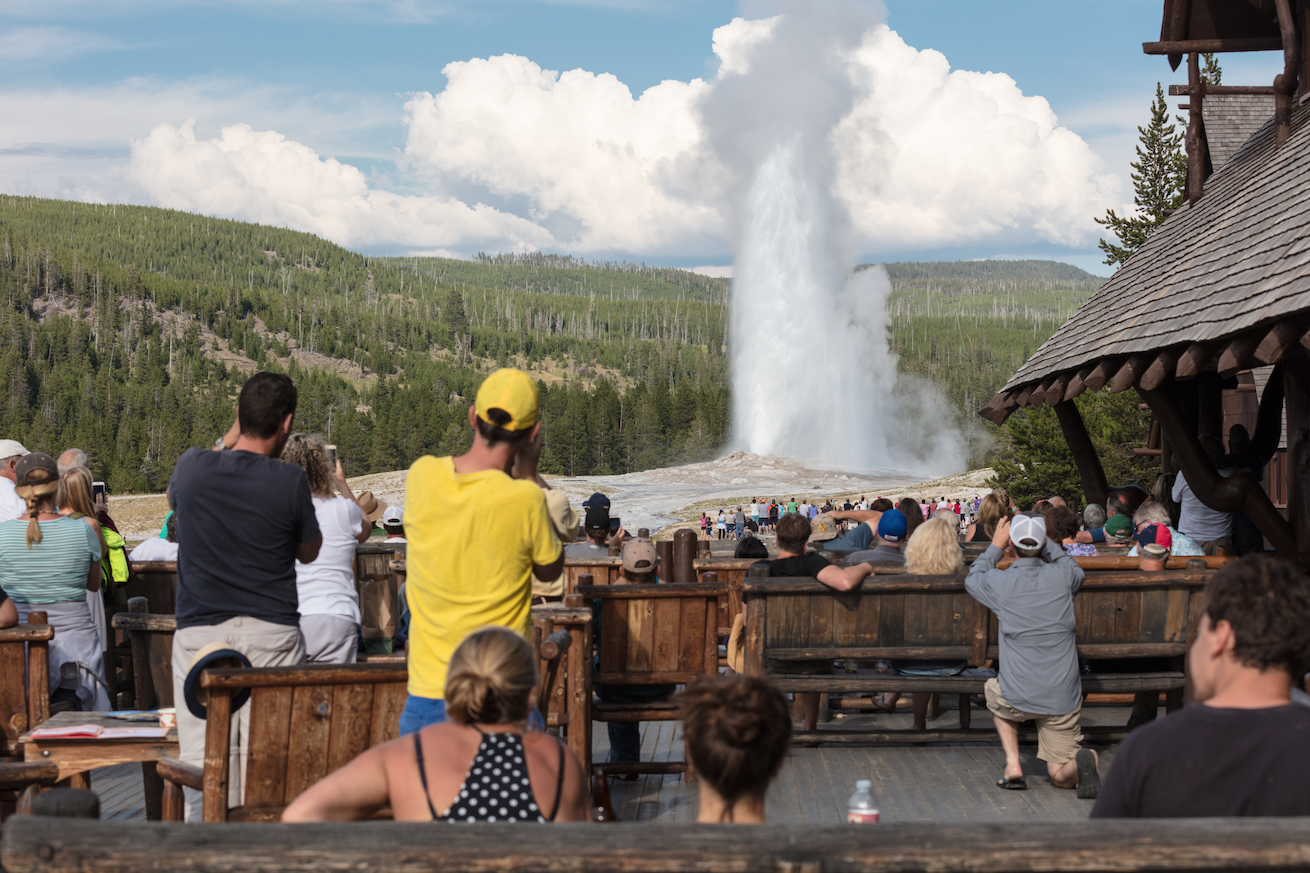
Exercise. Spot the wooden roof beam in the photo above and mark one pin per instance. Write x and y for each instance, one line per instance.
(1129, 373)
(1161, 368)
(1037, 397)
(1193, 361)
(994, 411)
(1206, 46)
(1281, 337)
(1055, 393)
(1100, 374)
(1078, 384)
(1238, 351)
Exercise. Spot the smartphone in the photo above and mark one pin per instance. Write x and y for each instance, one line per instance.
(332, 456)
(614, 524)
(97, 491)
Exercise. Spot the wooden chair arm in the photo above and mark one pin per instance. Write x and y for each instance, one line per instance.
(20, 774)
(187, 775)
(27, 633)
(142, 621)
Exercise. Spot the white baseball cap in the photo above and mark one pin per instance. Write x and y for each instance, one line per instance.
(1028, 531)
(12, 448)
(393, 516)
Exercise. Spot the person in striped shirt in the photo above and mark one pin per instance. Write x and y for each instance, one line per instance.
(49, 562)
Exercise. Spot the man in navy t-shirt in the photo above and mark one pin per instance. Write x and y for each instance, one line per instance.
(244, 518)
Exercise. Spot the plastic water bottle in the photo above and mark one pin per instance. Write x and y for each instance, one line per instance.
(860, 809)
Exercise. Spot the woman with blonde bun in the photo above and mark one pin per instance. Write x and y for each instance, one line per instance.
(483, 764)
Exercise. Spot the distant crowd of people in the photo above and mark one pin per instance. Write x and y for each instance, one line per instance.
(264, 529)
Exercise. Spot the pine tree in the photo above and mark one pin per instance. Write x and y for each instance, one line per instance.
(1160, 173)
(1210, 73)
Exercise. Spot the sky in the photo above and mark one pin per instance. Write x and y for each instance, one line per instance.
(978, 130)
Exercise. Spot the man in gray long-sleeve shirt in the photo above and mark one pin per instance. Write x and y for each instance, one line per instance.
(1033, 602)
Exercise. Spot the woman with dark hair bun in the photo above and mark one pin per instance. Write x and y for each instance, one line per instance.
(737, 730)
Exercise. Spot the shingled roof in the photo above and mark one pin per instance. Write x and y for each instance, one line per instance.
(1219, 285)
(1232, 119)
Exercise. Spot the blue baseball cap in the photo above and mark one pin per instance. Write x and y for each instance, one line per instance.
(892, 526)
(597, 501)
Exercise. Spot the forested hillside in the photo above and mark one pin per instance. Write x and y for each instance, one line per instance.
(131, 328)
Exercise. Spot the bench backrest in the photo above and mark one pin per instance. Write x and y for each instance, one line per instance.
(305, 722)
(1117, 615)
(655, 634)
(24, 651)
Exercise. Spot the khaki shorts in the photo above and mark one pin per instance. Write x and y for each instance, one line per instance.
(1059, 737)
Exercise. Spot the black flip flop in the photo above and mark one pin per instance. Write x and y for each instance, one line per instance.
(1012, 784)
(1089, 780)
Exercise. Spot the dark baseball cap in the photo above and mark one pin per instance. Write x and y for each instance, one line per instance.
(597, 501)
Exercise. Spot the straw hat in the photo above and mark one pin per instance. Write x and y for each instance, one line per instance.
(371, 506)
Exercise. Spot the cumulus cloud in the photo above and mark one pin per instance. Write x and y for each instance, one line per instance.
(600, 169)
(264, 177)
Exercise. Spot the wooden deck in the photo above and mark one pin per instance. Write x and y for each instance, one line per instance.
(945, 782)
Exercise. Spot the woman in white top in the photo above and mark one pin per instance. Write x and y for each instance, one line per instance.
(329, 602)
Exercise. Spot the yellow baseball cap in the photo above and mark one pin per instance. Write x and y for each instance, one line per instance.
(513, 391)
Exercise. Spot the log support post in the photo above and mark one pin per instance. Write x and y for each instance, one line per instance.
(1236, 493)
(1095, 488)
(1296, 384)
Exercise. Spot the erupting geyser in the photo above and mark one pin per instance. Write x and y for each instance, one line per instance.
(812, 375)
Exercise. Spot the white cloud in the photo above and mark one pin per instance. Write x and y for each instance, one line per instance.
(264, 177)
(602, 170)
(713, 271)
(932, 156)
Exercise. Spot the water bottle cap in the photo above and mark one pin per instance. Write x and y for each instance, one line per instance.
(864, 783)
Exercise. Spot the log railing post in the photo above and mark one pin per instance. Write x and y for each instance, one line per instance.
(1095, 487)
(142, 678)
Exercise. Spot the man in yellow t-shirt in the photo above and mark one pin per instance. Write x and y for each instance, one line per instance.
(476, 537)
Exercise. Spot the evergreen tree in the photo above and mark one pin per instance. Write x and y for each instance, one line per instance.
(1160, 173)
(1210, 72)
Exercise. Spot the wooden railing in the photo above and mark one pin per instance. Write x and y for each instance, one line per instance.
(50, 845)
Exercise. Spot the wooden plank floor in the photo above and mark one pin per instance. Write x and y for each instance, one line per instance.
(947, 782)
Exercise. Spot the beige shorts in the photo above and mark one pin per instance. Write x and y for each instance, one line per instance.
(1059, 737)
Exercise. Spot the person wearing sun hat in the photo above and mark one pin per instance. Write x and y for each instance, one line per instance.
(49, 562)
(479, 529)
(1039, 679)
(11, 505)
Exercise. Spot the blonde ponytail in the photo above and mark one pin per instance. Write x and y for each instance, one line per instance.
(490, 678)
(33, 526)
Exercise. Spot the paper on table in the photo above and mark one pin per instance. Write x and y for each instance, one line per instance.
(73, 732)
(133, 733)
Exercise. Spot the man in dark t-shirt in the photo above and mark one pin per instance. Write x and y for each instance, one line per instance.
(244, 518)
(1242, 751)
(793, 560)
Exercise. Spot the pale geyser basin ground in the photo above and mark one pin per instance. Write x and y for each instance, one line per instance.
(662, 499)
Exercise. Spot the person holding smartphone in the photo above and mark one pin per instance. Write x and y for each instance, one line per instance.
(603, 531)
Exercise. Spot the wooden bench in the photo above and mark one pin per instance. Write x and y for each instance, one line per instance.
(1117, 614)
(652, 635)
(49, 845)
(305, 722)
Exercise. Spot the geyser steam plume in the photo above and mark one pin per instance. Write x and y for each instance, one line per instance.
(812, 375)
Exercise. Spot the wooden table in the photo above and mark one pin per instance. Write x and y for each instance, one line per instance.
(76, 757)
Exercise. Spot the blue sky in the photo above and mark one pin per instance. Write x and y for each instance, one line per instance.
(83, 81)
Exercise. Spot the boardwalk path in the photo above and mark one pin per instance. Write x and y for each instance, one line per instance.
(933, 783)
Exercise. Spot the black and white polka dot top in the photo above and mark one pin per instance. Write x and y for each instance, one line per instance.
(496, 787)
